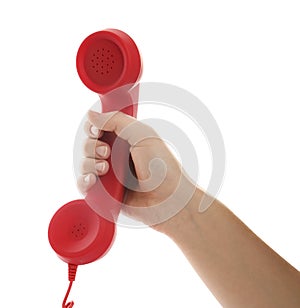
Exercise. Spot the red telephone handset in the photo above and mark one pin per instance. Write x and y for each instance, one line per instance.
(108, 63)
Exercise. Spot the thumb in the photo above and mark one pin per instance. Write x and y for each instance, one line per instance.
(114, 121)
(125, 126)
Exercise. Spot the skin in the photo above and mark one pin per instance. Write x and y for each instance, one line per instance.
(235, 264)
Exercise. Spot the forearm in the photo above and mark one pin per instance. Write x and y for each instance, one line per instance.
(238, 268)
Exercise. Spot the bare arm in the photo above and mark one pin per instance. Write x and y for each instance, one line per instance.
(237, 266)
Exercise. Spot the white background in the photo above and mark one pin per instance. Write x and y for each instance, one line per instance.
(241, 58)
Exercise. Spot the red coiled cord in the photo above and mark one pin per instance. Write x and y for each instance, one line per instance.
(72, 269)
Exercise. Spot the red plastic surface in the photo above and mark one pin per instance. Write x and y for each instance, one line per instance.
(106, 196)
(78, 235)
(80, 232)
(107, 60)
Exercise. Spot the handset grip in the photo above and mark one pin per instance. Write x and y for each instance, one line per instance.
(106, 196)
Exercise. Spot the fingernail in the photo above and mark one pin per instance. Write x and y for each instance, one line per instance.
(94, 131)
(101, 150)
(88, 179)
(100, 166)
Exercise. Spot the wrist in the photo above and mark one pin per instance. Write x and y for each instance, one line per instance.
(176, 225)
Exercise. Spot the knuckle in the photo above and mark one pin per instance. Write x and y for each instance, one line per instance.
(89, 147)
(87, 165)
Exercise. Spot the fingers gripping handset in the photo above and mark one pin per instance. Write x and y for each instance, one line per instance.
(108, 63)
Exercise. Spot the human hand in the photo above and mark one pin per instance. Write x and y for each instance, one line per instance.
(161, 188)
